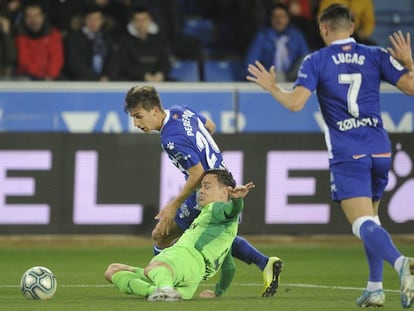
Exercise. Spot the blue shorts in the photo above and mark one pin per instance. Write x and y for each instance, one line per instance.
(363, 177)
(187, 212)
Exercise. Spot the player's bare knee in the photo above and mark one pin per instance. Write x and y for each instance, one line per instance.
(111, 270)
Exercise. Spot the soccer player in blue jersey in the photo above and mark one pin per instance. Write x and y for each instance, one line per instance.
(346, 77)
(186, 138)
(199, 253)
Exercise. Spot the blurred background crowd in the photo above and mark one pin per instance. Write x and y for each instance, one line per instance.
(174, 40)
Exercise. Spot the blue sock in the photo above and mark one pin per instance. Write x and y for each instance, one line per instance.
(243, 250)
(378, 240)
(156, 250)
(375, 264)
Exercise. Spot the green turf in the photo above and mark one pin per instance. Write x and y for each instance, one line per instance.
(315, 277)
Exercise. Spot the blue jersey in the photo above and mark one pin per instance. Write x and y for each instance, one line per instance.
(347, 78)
(187, 141)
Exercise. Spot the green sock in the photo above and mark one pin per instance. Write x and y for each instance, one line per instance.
(132, 283)
(161, 277)
(140, 272)
(121, 280)
(141, 288)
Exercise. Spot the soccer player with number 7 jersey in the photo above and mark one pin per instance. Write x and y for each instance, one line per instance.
(347, 76)
(186, 138)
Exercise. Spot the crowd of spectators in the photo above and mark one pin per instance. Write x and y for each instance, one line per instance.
(138, 40)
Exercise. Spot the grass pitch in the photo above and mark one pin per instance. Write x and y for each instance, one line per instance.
(316, 276)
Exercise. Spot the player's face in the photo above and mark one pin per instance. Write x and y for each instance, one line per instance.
(212, 191)
(146, 120)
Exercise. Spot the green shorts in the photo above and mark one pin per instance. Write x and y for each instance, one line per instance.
(188, 266)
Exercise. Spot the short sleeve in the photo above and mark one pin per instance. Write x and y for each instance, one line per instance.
(202, 118)
(391, 69)
(307, 75)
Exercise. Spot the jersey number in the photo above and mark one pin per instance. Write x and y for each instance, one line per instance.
(205, 141)
(354, 80)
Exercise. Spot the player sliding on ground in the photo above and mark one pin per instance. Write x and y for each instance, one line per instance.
(346, 76)
(186, 137)
(176, 272)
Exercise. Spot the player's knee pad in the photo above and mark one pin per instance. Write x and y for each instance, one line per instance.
(356, 225)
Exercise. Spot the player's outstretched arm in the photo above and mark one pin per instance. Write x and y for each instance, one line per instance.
(402, 51)
(266, 79)
(228, 270)
(293, 100)
(167, 214)
(240, 192)
(210, 126)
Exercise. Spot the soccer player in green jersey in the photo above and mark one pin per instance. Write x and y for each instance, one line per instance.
(200, 252)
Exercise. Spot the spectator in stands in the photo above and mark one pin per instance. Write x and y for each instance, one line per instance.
(7, 49)
(236, 23)
(279, 45)
(91, 52)
(300, 18)
(39, 45)
(169, 18)
(363, 14)
(116, 10)
(144, 54)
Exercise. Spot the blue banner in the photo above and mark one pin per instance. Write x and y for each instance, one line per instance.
(263, 114)
(100, 110)
(89, 112)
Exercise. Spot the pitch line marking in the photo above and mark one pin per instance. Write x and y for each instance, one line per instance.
(301, 285)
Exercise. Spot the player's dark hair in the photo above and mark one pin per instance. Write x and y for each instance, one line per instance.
(145, 97)
(223, 176)
(338, 16)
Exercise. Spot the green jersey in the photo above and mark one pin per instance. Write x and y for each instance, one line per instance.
(212, 233)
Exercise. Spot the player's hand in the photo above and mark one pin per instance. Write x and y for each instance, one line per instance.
(241, 191)
(262, 77)
(166, 218)
(401, 48)
(207, 294)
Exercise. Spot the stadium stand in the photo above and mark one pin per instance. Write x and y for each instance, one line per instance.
(185, 70)
(222, 70)
(392, 16)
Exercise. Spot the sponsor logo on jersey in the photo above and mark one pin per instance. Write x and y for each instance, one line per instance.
(352, 123)
(170, 145)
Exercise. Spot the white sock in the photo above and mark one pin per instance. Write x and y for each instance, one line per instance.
(398, 263)
(373, 286)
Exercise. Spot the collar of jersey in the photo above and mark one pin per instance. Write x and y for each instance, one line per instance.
(342, 41)
(167, 117)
